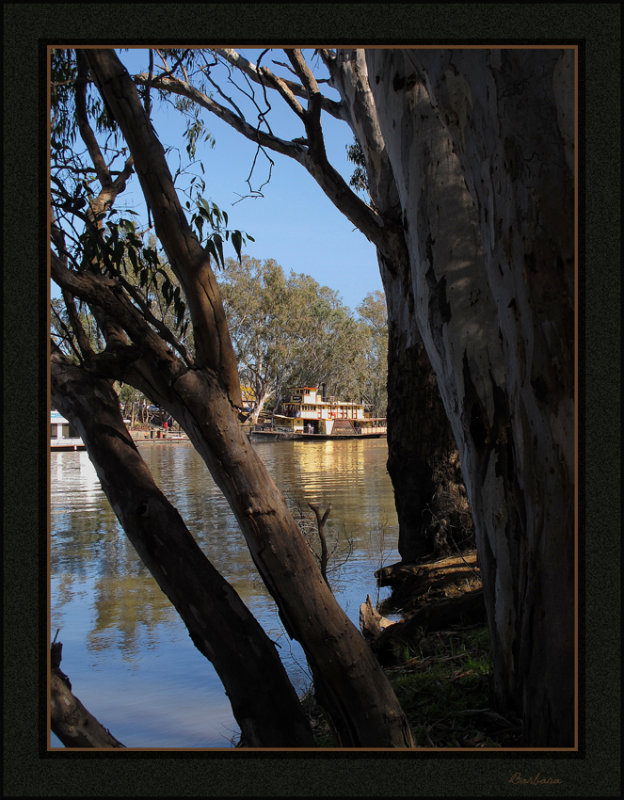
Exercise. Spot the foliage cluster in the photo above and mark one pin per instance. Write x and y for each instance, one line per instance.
(289, 330)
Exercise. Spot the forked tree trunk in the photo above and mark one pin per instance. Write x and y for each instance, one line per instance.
(263, 700)
(479, 143)
(347, 676)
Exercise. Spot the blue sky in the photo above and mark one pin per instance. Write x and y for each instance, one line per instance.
(293, 223)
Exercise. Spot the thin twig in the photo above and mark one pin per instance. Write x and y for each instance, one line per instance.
(320, 524)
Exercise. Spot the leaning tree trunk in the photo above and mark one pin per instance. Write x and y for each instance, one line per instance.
(348, 679)
(263, 700)
(204, 400)
(480, 162)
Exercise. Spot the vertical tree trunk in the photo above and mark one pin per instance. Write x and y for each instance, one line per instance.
(420, 440)
(486, 191)
(421, 445)
(260, 400)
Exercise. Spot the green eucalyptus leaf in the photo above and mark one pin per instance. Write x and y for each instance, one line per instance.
(219, 245)
(237, 242)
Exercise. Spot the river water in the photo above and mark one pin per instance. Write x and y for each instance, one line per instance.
(126, 651)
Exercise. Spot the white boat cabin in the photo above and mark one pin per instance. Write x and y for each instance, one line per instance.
(309, 410)
(63, 435)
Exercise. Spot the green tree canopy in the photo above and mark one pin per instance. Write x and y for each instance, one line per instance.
(373, 316)
(288, 329)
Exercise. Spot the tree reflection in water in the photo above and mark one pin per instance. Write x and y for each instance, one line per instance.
(125, 649)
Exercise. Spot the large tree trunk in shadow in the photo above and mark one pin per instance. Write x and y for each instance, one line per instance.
(422, 457)
(422, 453)
(479, 142)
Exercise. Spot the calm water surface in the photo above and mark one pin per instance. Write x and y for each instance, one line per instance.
(126, 651)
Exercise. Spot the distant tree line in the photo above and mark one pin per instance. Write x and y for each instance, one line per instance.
(289, 330)
(286, 330)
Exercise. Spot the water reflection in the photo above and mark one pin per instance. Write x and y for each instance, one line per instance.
(116, 624)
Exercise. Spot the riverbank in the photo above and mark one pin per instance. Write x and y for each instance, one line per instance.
(437, 657)
(444, 689)
(158, 435)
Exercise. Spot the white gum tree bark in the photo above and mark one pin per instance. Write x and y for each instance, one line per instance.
(480, 146)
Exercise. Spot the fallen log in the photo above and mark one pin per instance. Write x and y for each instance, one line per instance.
(414, 585)
(452, 566)
(467, 609)
(74, 725)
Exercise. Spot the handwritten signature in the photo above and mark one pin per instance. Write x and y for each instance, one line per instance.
(533, 780)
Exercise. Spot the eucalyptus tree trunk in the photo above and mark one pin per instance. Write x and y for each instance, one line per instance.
(263, 700)
(421, 446)
(479, 143)
(205, 400)
(261, 397)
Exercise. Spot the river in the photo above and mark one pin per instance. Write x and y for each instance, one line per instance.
(126, 651)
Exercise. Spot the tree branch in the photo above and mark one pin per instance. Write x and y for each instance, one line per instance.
(164, 332)
(88, 137)
(82, 339)
(189, 261)
(107, 294)
(303, 71)
(331, 182)
(349, 72)
(241, 63)
(321, 519)
(179, 87)
(70, 720)
(312, 117)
